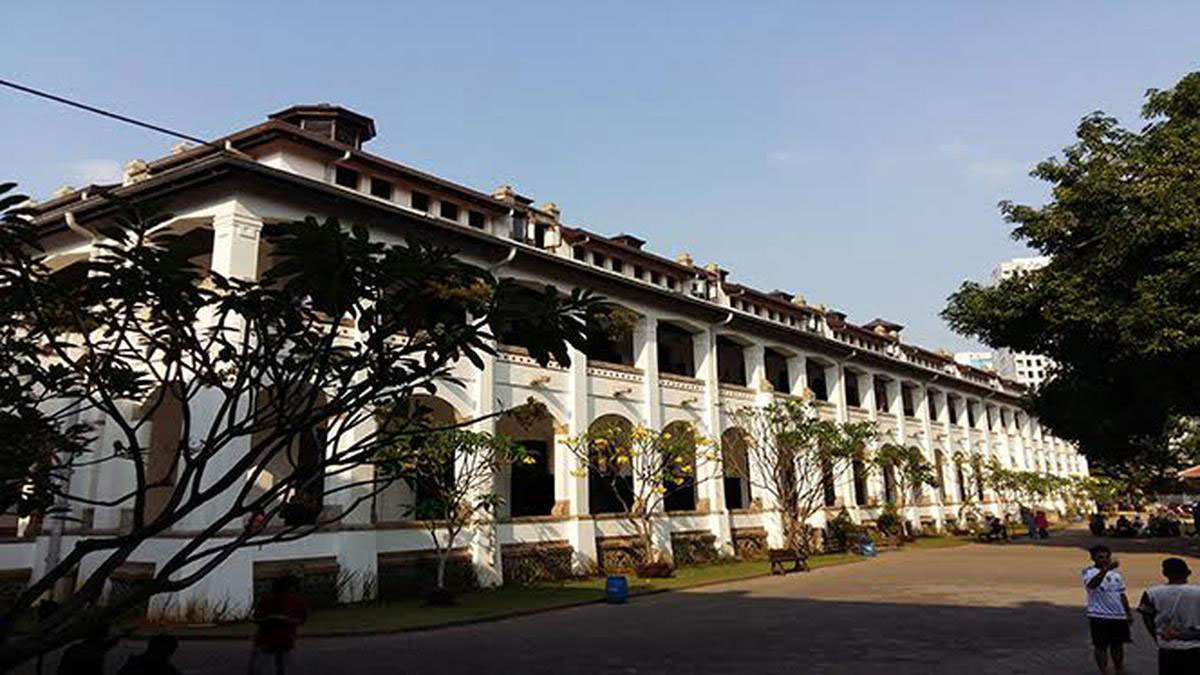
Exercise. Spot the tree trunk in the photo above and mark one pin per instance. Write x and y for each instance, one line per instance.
(441, 570)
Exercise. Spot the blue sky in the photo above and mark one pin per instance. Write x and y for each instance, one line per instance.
(851, 152)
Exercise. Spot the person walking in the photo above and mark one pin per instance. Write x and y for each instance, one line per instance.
(1108, 610)
(1043, 525)
(1027, 519)
(278, 614)
(1171, 613)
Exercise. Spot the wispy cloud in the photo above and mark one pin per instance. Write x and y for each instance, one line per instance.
(989, 171)
(995, 171)
(87, 171)
(952, 149)
(791, 157)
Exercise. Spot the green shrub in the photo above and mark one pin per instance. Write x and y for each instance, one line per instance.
(841, 531)
(889, 521)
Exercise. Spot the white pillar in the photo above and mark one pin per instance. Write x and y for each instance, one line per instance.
(712, 489)
(355, 544)
(483, 537)
(581, 528)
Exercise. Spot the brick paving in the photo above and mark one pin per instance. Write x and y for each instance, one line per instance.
(977, 609)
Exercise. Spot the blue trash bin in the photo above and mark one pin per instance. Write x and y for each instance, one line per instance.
(867, 547)
(616, 590)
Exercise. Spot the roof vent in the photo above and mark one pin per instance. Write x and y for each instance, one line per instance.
(331, 121)
(884, 327)
(136, 170)
(685, 259)
(630, 241)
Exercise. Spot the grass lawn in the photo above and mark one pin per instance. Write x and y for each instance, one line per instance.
(941, 541)
(494, 603)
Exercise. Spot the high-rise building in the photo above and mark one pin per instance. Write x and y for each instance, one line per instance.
(1030, 370)
(980, 360)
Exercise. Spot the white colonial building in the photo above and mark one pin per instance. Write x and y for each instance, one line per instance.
(703, 346)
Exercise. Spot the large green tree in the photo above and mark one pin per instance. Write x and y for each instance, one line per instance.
(1118, 307)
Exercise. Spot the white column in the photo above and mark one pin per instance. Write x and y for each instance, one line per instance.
(843, 489)
(355, 544)
(581, 529)
(484, 539)
(712, 490)
(646, 343)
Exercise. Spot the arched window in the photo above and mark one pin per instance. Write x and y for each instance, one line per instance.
(610, 334)
(859, 469)
(530, 484)
(292, 455)
(939, 459)
(611, 491)
(681, 493)
(416, 498)
(736, 468)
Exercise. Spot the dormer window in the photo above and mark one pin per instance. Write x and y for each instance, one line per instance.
(598, 259)
(618, 266)
(449, 211)
(639, 272)
(671, 283)
(346, 177)
(419, 201)
(579, 253)
(476, 220)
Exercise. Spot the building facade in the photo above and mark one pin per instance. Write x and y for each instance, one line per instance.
(702, 347)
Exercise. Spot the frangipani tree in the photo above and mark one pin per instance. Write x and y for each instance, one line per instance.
(1027, 489)
(907, 466)
(272, 385)
(792, 456)
(452, 474)
(643, 467)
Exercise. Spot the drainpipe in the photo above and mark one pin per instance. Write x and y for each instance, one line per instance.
(75, 227)
(512, 253)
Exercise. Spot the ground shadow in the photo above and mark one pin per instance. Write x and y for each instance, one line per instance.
(1083, 539)
(719, 632)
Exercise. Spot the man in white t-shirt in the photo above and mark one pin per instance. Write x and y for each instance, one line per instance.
(1171, 613)
(1107, 609)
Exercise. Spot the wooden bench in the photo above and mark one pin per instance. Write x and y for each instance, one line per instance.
(780, 556)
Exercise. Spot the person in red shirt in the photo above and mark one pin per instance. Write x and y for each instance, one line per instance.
(278, 614)
(1043, 525)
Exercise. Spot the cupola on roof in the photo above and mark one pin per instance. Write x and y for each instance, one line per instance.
(331, 121)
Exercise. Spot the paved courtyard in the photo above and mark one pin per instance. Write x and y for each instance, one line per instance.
(974, 609)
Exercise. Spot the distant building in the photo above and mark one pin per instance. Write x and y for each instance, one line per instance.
(980, 360)
(1030, 370)
(1018, 266)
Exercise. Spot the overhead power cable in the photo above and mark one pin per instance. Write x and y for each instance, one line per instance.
(105, 113)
